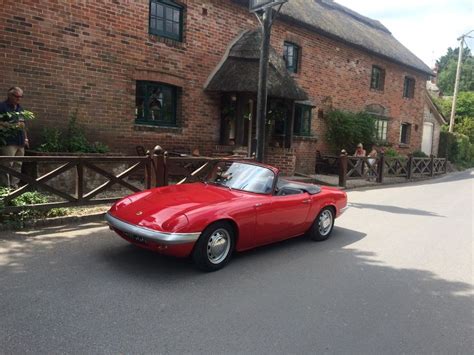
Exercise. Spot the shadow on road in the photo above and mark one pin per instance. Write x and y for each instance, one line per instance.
(296, 296)
(394, 209)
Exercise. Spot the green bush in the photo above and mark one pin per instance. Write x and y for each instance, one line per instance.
(419, 154)
(26, 213)
(346, 129)
(391, 153)
(72, 141)
(457, 148)
(53, 141)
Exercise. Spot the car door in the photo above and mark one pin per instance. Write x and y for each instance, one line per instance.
(281, 217)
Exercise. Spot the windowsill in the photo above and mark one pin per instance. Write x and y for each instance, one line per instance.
(168, 41)
(379, 91)
(159, 129)
(403, 145)
(305, 138)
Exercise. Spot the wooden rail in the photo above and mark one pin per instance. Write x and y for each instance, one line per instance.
(353, 168)
(153, 169)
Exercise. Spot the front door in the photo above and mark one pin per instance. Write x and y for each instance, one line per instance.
(427, 142)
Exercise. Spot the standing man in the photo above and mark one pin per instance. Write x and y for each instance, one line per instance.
(15, 142)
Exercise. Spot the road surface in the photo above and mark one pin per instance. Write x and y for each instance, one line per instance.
(395, 277)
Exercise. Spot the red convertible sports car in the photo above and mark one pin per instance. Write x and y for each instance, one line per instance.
(237, 205)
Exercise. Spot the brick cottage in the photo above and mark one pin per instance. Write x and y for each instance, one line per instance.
(183, 74)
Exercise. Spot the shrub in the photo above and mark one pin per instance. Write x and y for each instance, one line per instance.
(346, 129)
(27, 213)
(392, 153)
(419, 154)
(457, 148)
(72, 141)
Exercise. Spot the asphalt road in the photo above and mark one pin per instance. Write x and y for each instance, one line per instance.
(395, 277)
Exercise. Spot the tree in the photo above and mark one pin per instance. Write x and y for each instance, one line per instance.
(346, 129)
(464, 106)
(447, 67)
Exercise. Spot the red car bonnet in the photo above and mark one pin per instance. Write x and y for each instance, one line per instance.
(166, 203)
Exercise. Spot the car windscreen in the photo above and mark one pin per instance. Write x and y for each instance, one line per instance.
(242, 176)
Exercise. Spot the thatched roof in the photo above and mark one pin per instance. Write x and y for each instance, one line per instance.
(336, 21)
(239, 70)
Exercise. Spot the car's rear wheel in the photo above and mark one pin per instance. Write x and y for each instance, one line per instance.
(323, 225)
(214, 247)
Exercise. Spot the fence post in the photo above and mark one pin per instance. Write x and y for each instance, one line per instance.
(380, 168)
(431, 165)
(409, 166)
(79, 181)
(342, 170)
(148, 170)
(158, 178)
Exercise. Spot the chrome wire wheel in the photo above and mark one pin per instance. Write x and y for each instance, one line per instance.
(218, 246)
(325, 222)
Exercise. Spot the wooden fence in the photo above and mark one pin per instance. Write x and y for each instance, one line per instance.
(377, 169)
(151, 170)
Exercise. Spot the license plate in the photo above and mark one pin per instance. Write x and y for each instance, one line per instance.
(136, 238)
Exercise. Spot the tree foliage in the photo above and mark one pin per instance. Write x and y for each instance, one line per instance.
(346, 129)
(447, 67)
(464, 105)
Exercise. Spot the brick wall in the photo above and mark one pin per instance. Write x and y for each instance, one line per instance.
(84, 57)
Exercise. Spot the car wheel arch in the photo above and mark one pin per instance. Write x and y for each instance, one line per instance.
(232, 223)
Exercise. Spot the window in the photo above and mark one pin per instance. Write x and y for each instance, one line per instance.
(302, 125)
(166, 19)
(378, 78)
(409, 88)
(381, 126)
(155, 104)
(291, 56)
(405, 130)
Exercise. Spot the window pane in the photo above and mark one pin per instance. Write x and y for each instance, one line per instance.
(159, 25)
(176, 28)
(159, 10)
(169, 13)
(176, 16)
(153, 9)
(169, 26)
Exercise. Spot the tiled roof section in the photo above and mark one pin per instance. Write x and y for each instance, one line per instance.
(336, 21)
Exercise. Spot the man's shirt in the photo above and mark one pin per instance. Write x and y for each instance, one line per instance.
(17, 138)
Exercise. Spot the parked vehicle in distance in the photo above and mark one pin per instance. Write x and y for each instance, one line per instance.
(236, 206)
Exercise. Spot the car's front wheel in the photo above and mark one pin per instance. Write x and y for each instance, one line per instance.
(214, 247)
(323, 225)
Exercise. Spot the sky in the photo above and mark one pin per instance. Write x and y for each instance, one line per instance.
(426, 27)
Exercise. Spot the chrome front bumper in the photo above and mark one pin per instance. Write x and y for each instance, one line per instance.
(150, 234)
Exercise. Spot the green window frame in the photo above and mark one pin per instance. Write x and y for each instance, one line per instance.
(155, 104)
(405, 132)
(377, 81)
(381, 127)
(302, 124)
(166, 19)
(409, 88)
(291, 55)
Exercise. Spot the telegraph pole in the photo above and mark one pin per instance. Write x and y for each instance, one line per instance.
(456, 84)
(263, 9)
(262, 83)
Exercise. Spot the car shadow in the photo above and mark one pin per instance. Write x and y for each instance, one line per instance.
(147, 264)
(394, 209)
